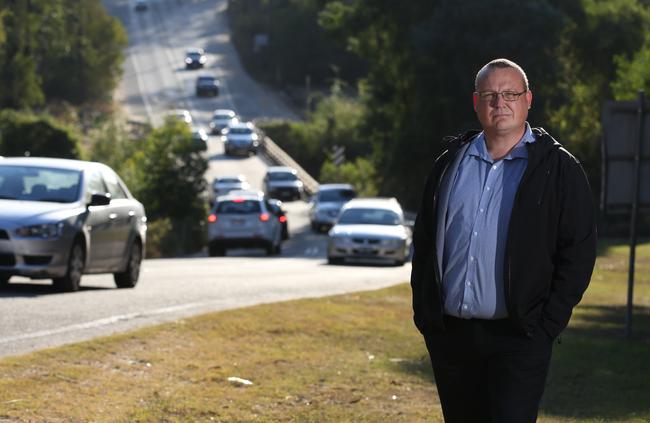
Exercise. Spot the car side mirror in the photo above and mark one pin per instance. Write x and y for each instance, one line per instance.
(98, 199)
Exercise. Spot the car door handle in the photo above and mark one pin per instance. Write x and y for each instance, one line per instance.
(112, 216)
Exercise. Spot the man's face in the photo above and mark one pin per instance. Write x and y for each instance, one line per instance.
(498, 116)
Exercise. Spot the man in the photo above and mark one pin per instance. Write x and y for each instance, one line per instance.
(505, 243)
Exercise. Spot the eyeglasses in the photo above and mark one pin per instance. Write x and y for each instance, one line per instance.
(493, 95)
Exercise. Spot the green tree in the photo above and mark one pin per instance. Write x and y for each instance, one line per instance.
(168, 180)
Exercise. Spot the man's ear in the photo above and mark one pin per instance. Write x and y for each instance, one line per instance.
(474, 100)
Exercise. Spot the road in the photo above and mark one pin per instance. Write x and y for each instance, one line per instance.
(34, 316)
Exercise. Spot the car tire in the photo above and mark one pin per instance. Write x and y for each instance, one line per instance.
(215, 251)
(129, 277)
(76, 262)
(334, 260)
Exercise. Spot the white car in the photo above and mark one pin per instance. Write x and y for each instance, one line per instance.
(325, 205)
(222, 185)
(221, 119)
(243, 219)
(241, 138)
(370, 229)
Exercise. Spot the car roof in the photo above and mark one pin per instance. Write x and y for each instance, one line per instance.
(224, 112)
(332, 187)
(374, 203)
(195, 50)
(242, 125)
(51, 162)
(244, 194)
(281, 169)
(241, 178)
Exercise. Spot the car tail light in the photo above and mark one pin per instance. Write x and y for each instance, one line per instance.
(238, 200)
(212, 218)
(282, 219)
(264, 217)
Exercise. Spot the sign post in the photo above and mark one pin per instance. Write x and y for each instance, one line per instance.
(626, 173)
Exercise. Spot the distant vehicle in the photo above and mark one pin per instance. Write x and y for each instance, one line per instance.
(278, 210)
(182, 115)
(282, 182)
(370, 228)
(326, 204)
(222, 185)
(241, 138)
(221, 118)
(207, 85)
(60, 219)
(195, 58)
(141, 5)
(200, 138)
(243, 220)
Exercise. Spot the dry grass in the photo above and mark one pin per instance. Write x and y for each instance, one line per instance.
(349, 358)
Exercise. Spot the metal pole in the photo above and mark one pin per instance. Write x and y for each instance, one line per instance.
(633, 218)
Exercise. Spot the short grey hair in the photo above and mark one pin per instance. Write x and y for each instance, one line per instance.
(500, 64)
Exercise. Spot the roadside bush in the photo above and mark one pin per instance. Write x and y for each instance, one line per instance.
(26, 134)
(361, 174)
(334, 122)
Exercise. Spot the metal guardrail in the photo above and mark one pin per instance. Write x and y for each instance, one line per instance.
(280, 157)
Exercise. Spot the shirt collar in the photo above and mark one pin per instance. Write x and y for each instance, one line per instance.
(479, 149)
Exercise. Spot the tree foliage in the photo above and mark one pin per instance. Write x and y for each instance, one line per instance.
(65, 50)
(27, 134)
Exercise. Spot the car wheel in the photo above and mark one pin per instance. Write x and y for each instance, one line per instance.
(334, 260)
(129, 277)
(76, 263)
(214, 251)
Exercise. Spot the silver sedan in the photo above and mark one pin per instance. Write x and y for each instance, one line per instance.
(60, 219)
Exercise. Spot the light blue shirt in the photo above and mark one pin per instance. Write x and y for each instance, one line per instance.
(477, 207)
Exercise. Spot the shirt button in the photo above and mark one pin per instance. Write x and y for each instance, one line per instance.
(482, 210)
(488, 188)
(475, 233)
(471, 258)
(464, 306)
(469, 283)
(494, 167)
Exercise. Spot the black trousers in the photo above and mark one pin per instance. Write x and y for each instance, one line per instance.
(486, 372)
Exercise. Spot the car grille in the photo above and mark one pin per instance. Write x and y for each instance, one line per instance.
(7, 260)
(365, 241)
(3, 234)
(37, 260)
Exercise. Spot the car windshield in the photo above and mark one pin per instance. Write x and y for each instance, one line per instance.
(223, 116)
(227, 181)
(194, 55)
(282, 176)
(206, 79)
(240, 131)
(238, 207)
(336, 195)
(369, 217)
(39, 184)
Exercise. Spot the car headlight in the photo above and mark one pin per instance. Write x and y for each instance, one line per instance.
(188, 60)
(45, 230)
(394, 242)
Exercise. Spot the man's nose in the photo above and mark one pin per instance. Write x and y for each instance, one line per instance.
(498, 100)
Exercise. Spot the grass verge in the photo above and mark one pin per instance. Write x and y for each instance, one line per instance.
(349, 358)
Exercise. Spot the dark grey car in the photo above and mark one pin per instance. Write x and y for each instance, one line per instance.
(62, 218)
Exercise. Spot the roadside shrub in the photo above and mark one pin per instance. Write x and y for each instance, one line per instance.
(361, 174)
(26, 134)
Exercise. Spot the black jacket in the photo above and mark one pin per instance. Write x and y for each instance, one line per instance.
(550, 249)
